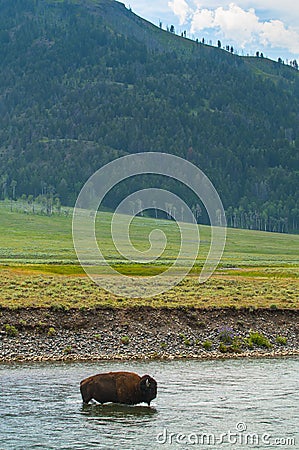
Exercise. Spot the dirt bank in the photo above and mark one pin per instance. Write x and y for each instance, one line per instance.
(31, 334)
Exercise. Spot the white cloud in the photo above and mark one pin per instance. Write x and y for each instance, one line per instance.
(180, 9)
(274, 34)
(239, 26)
(233, 22)
(202, 18)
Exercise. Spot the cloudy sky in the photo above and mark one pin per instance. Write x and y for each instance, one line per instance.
(268, 26)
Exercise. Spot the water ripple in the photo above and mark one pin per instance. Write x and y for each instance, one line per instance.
(41, 407)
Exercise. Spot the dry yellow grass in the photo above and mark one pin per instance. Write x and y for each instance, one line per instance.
(22, 287)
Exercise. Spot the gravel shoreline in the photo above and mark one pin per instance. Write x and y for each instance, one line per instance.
(145, 333)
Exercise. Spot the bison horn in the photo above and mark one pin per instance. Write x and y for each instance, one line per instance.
(147, 383)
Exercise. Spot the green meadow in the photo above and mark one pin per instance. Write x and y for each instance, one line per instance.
(39, 266)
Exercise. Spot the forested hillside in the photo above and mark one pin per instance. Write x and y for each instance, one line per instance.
(83, 82)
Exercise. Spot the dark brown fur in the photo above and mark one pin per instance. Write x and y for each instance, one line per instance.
(119, 387)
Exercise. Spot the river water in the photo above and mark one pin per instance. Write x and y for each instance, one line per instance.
(222, 404)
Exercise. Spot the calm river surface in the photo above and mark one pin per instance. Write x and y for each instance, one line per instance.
(222, 404)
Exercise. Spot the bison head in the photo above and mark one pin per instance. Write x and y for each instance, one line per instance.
(148, 388)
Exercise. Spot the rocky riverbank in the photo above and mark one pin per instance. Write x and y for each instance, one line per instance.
(43, 334)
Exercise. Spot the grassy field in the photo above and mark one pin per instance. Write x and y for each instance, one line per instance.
(38, 266)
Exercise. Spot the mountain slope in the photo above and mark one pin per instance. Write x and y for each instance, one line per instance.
(83, 82)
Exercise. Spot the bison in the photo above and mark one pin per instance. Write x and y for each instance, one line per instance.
(119, 387)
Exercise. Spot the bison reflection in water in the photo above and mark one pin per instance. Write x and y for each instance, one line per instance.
(119, 387)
